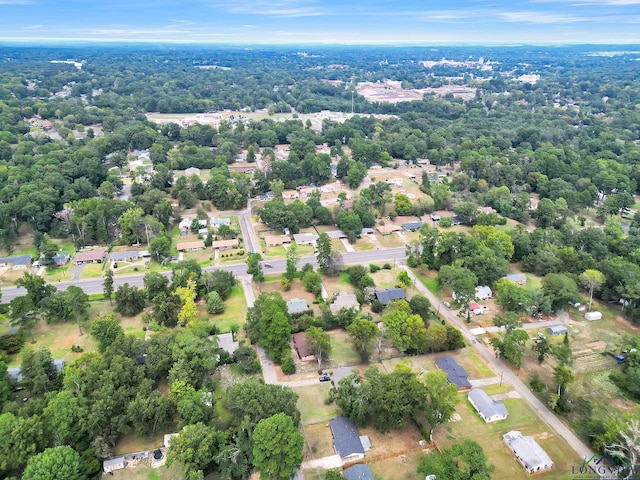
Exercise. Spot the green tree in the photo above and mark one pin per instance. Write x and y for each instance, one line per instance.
(107, 285)
(461, 461)
(66, 305)
(440, 400)
(256, 401)
(54, 464)
(363, 333)
(276, 336)
(403, 204)
(513, 297)
(130, 300)
(23, 314)
(37, 288)
(292, 261)
(323, 252)
(277, 448)
(312, 282)
(160, 248)
(106, 330)
(155, 284)
(220, 281)
(215, 304)
(591, 280)
(129, 223)
(254, 267)
(189, 310)
(542, 347)
(195, 448)
(560, 288)
(461, 281)
(319, 342)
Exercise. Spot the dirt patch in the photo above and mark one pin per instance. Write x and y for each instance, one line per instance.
(397, 468)
(598, 345)
(396, 441)
(318, 441)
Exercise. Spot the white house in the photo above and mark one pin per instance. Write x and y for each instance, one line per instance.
(489, 410)
(483, 292)
(112, 464)
(532, 457)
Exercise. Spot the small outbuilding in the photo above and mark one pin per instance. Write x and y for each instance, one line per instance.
(592, 316)
(112, 464)
(556, 330)
(532, 457)
(489, 410)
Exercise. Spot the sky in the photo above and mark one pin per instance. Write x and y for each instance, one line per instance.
(415, 22)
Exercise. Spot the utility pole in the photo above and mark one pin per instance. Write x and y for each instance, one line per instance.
(351, 102)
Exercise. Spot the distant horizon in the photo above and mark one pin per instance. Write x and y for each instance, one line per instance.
(324, 22)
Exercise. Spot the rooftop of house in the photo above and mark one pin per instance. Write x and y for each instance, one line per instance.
(390, 294)
(17, 260)
(358, 472)
(455, 373)
(527, 449)
(345, 437)
(297, 305)
(486, 404)
(344, 300)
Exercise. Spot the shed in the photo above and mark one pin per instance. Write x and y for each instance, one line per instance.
(297, 305)
(112, 464)
(483, 292)
(591, 316)
(346, 439)
(473, 306)
(344, 300)
(489, 410)
(361, 471)
(532, 457)
(390, 294)
(556, 330)
(456, 375)
(301, 347)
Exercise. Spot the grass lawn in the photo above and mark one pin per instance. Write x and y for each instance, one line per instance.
(386, 278)
(144, 471)
(274, 252)
(338, 246)
(203, 257)
(9, 276)
(235, 311)
(429, 279)
(58, 274)
(337, 284)
(318, 441)
(343, 352)
(521, 418)
(390, 241)
(93, 270)
(131, 443)
(364, 244)
(311, 403)
(397, 468)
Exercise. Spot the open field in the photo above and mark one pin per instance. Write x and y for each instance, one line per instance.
(522, 418)
(311, 403)
(364, 244)
(343, 352)
(390, 241)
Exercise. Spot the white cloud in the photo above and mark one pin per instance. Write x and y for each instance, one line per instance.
(273, 8)
(541, 17)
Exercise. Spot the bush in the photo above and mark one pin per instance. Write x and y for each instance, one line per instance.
(377, 307)
(387, 266)
(240, 253)
(373, 268)
(285, 283)
(12, 343)
(537, 385)
(446, 222)
(288, 366)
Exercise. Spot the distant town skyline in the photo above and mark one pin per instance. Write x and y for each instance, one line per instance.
(325, 21)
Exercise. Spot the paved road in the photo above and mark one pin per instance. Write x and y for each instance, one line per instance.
(582, 450)
(94, 285)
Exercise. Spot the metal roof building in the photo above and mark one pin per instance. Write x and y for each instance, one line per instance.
(556, 330)
(532, 457)
(489, 410)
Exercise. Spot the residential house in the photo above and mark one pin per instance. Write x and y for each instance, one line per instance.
(390, 294)
(532, 457)
(290, 195)
(111, 464)
(360, 471)
(346, 440)
(340, 373)
(19, 262)
(15, 373)
(388, 229)
(483, 292)
(301, 347)
(556, 330)
(90, 256)
(225, 244)
(227, 343)
(336, 234)
(344, 300)
(518, 278)
(215, 222)
(456, 375)
(130, 256)
(489, 410)
(185, 224)
(367, 231)
(412, 226)
(306, 192)
(191, 246)
(61, 259)
(276, 240)
(487, 210)
(297, 305)
(305, 238)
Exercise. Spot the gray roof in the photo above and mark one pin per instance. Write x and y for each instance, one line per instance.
(17, 260)
(345, 437)
(61, 258)
(358, 472)
(217, 221)
(556, 329)
(412, 225)
(340, 373)
(527, 450)
(226, 342)
(337, 234)
(516, 277)
(367, 231)
(121, 256)
(16, 374)
(386, 296)
(344, 300)
(305, 237)
(297, 305)
(455, 373)
(486, 405)
(111, 462)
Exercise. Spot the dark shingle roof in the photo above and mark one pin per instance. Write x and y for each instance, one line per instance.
(386, 296)
(358, 472)
(412, 226)
(17, 260)
(455, 373)
(345, 437)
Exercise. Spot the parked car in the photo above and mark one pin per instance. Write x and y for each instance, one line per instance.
(446, 304)
(268, 265)
(325, 378)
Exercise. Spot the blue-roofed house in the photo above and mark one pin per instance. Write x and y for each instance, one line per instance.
(412, 226)
(19, 262)
(390, 294)
(346, 439)
(456, 375)
(358, 472)
(489, 410)
(297, 305)
(61, 259)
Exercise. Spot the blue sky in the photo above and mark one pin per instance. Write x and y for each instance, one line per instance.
(325, 21)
